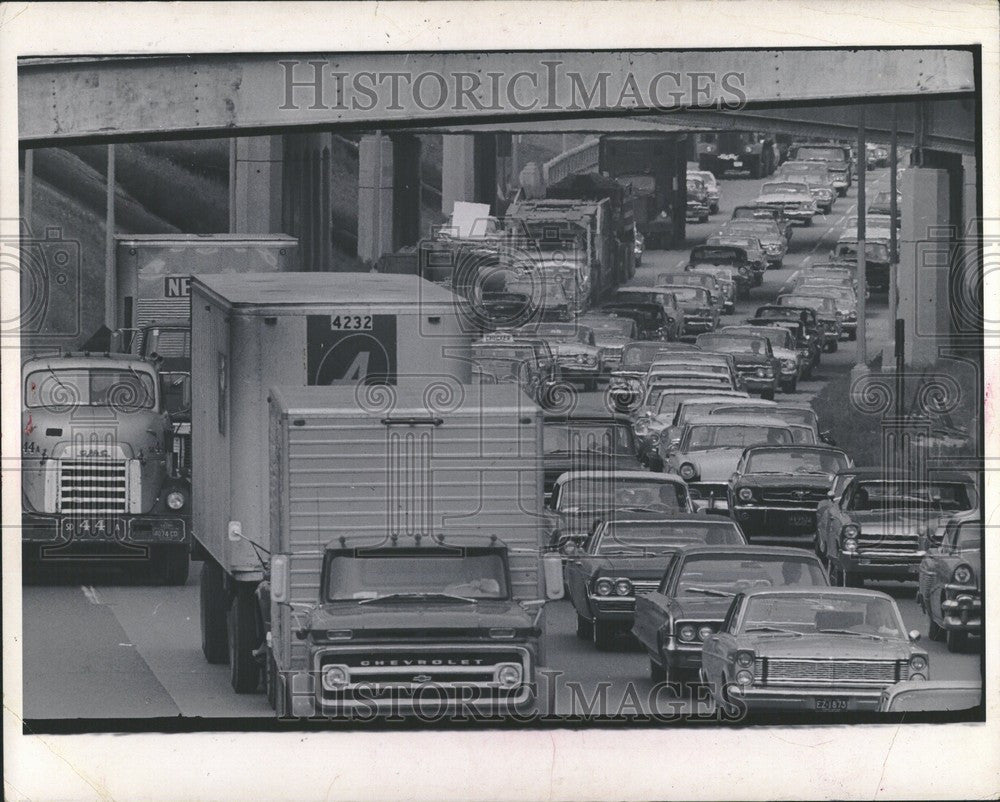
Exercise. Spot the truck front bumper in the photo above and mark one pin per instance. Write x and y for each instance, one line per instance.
(148, 530)
(962, 608)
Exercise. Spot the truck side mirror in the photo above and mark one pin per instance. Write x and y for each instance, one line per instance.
(553, 575)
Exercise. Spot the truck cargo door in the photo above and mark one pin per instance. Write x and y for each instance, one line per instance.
(348, 348)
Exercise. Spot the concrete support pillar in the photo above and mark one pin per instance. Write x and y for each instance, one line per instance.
(375, 197)
(458, 170)
(967, 311)
(256, 166)
(924, 263)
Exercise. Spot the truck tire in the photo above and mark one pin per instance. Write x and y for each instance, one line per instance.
(271, 681)
(244, 671)
(213, 603)
(175, 565)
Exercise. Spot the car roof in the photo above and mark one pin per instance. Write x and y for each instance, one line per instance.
(748, 550)
(798, 447)
(826, 591)
(669, 518)
(933, 475)
(733, 420)
(664, 478)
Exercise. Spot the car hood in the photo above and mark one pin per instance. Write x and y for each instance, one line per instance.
(416, 616)
(824, 645)
(643, 568)
(705, 608)
(571, 349)
(897, 520)
(610, 341)
(713, 466)
(785, 353)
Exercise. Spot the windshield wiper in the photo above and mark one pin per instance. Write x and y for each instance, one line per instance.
(774, 629)
(418, 596)
(710, 591)
(852, 632)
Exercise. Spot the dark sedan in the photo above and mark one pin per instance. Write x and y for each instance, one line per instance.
(587, 442)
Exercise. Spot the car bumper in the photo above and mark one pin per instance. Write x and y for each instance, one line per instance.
(962, 609)
(775, 258)
(757, 384)
(681, 657)
(800, 215)
(783, 522)
(792, 698)
(123, 530)
(698, 325)
(900, 565)
(611, 609)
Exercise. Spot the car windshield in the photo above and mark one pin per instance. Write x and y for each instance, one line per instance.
(703, 437)
(665, 400)
(465, 574)
(614, 492)
(779, 338)
(820, 153)
(638, 354)
(824, 612)
(65, 388)
(874, 251)
(574, 437)
(721, 575)
(969, 536)
(797, 460)
(613, 326)
(814, 301)
(784, 187)
(729, 344)
(895, 495)
(631, 535)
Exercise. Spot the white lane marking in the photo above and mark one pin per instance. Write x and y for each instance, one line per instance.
(91, 594)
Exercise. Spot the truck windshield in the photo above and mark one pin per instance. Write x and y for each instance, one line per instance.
(123, 389)
(462, 574)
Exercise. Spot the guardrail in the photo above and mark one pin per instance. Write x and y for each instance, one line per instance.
(581, 159)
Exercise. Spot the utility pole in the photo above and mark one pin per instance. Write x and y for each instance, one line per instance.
(110, 279)
(862, 351)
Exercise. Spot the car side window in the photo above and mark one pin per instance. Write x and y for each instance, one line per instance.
(732, 614)
(667, 579)
(554, 500)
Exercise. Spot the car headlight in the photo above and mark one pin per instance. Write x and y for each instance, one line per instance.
(687, 633)
(745, 494)
(918, 663)
(623, 587)
(641, 427)
(917, 677)
(705, 632)
(744, 659)
(761, 372)
(335, 678)
(175, 499)
(604, 587)
(962, 575)
(508, 675)
(788, 364)
(744, 677)
(688, 471)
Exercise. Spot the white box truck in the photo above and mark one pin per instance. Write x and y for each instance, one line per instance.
(406, 566)
(252, 331)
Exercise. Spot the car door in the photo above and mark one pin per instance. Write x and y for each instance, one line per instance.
(718, 647)
(579, 568)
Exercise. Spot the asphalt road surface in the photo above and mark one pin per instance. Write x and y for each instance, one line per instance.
(107, 644)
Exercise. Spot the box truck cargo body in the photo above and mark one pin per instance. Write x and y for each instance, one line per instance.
(154, 270)
(252, 331)
(413, 524)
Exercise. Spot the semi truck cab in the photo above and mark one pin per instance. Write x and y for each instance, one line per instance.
(405, 623)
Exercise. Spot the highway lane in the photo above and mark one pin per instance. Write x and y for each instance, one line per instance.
(108, 645)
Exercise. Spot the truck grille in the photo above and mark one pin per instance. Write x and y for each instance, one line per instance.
(382, 673)
(826, 671)
(888, 541)
(93, 487)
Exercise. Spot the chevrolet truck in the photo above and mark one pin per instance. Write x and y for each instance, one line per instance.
(365, 331)
(406, 571)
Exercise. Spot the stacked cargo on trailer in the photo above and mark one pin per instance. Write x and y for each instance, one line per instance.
(253, 331)
(406, 565)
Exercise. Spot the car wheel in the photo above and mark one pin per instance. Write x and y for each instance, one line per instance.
(957, 641)
(604, 635)
(790, 386)
(584, 628)
(656, 672)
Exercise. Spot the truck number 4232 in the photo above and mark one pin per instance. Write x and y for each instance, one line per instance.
(351, 323)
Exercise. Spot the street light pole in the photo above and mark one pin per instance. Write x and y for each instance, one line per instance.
(862, 350)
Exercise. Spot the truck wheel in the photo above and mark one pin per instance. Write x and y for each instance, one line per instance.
(214, 603)
(176, 565)
(584, 628)
(244, 672)
(604, 635)
(957, 641)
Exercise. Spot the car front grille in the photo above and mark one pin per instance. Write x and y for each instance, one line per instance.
(793, 496)
(779, 671)
(645, 586)
(888, 541)
(89, 488)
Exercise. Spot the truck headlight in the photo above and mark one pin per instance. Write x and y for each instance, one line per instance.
(508, 675)
(175, 499)
(962, 575)
(335, 678)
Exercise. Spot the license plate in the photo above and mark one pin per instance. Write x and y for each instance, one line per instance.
(737, 164)
(831, 703)
(799, 520)
(98, 528)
